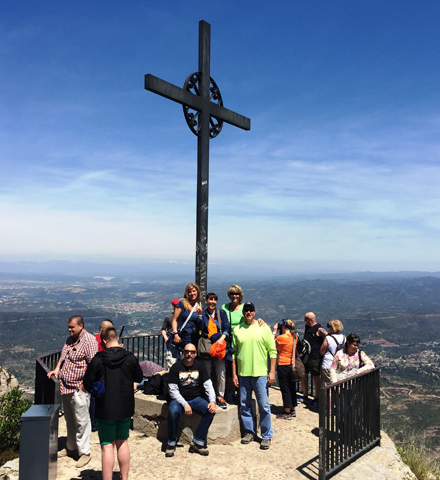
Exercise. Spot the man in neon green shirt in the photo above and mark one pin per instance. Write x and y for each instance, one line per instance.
(252, 343)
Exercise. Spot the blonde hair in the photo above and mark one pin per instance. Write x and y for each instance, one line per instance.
(185, 299)
(236, 289)
(290, 325)
(336, 325)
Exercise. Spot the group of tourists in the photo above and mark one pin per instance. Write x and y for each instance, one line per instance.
(229, 345)
(329, 356)
(257, 353)
(236, 346)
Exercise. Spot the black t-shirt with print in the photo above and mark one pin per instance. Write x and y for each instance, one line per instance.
(189, 379)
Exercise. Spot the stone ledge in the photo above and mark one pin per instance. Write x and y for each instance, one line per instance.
(151, 415)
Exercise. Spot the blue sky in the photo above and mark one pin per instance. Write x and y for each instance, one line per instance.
(339, 171)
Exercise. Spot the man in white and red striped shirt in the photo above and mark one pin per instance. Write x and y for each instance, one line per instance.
(78, 351)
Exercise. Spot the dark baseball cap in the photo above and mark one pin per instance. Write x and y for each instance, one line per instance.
(248, 307)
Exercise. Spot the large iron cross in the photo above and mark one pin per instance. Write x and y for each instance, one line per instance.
(204, 114)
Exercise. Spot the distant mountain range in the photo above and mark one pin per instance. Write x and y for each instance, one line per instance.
(177, 270)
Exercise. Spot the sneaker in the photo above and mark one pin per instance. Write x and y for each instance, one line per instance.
(198, 449)
(265, 444)
(221, 403)
(314, 404)
(247, 438)
(83, 461)
(293, 413)
(169, 452)
(65, 452)
(284, 416)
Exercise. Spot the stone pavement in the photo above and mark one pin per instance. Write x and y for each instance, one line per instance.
(292, 455)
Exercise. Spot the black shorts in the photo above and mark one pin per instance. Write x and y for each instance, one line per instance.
(313, 366)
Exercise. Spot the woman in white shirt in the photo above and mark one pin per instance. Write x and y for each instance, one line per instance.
(333, 342)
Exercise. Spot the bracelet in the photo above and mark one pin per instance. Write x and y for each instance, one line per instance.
(173, 332)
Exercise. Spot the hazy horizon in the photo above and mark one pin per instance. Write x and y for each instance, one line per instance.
(184, 271)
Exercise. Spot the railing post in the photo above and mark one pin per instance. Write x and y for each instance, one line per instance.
(322, 437)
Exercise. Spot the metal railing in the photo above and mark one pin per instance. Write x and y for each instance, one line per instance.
(146, 347)
(47, 390)
(349, 421)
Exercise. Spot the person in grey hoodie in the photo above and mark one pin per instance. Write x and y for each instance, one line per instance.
(118, 369)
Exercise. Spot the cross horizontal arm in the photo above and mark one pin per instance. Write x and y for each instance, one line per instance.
(228, 116)
(170, 91)
(179, 95)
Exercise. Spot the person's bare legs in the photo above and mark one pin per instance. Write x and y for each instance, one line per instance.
(107, 461)
(317, 381)
(304, 389)
(123, 452)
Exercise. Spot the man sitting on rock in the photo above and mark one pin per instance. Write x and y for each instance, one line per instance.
(188, 381)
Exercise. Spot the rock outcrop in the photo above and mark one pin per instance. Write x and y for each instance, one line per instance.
(7, 381)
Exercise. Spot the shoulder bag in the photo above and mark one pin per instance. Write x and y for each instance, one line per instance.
(297, 370)
(173, 348)
(204, 344)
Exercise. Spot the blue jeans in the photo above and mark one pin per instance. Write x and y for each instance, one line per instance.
(261, 389)
(198, 405)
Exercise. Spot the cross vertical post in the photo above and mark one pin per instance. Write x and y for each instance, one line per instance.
(204, 113)
(203, 163)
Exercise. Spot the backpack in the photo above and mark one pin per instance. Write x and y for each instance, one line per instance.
(304, 350)
(339, 346)
(98, 387)
(157, 385)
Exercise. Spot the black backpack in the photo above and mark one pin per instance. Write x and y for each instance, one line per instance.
(304, 350)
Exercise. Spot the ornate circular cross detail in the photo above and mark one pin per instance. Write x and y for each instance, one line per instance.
(192, 84)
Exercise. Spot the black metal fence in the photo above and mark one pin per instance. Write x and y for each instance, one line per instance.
(47, 391)
(349, 421)
(146, 347)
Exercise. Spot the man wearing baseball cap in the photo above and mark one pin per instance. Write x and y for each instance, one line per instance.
(252, 342)
(166, 328)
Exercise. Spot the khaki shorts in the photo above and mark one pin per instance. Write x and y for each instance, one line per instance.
(325, 376)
